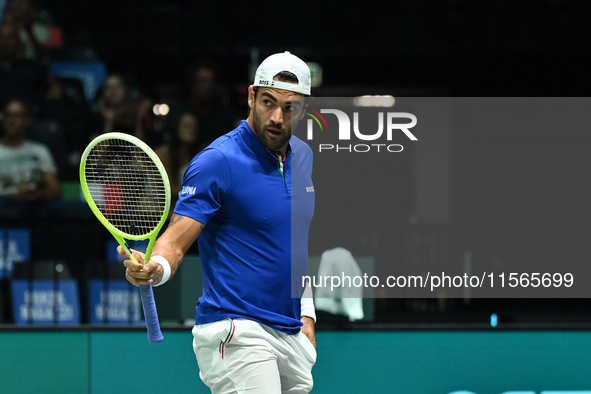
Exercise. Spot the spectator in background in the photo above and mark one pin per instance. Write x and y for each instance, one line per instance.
(33, 33)
(67, 109)
(28, 174)
(24, 78)
(184, 144)
(116, 110)
(207, 101)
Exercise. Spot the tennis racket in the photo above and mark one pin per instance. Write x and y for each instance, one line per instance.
(127, 188)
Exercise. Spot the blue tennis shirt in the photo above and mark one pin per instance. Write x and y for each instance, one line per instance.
(256, 235)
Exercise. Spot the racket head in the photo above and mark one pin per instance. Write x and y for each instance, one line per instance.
(126, 185)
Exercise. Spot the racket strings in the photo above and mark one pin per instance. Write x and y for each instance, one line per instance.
(126, 186)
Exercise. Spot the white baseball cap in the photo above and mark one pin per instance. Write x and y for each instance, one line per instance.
(285, 61)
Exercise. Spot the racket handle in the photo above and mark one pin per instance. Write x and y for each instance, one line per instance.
(149, 305)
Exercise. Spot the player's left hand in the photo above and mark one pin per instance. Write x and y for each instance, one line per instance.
(138, 273)
(308, 329)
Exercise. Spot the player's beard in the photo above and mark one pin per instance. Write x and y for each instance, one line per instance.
(260, 129)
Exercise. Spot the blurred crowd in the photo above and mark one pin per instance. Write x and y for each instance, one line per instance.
(47, 121)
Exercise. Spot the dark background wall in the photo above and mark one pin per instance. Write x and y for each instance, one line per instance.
(467, 48)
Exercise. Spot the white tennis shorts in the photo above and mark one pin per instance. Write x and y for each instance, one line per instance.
(243, 356)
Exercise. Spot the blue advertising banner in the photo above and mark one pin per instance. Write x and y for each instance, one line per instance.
(45, 302)
(15, 246)
(91, 74)
(113, 302)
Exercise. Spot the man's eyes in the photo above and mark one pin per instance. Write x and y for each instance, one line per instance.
(290, 107)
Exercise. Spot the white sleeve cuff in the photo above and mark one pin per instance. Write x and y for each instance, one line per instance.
(165, 268)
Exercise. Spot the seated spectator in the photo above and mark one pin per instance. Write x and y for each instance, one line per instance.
(72, 114)
(34, 33)
(208, 101)
(116, 110)
(176, 155)
(28, 174)
(24, 78)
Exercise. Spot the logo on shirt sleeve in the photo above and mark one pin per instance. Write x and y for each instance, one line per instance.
(188, 190)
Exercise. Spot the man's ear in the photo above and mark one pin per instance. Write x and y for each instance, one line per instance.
(251, 97)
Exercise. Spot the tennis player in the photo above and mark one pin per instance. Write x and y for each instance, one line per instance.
(250, 335)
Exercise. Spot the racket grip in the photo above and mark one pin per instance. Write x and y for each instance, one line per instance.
(149, 305)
